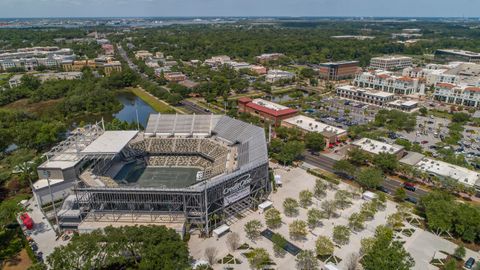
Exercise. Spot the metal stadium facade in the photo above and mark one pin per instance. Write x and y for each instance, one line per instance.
(229, 157)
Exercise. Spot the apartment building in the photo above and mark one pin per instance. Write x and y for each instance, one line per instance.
(266, 110)
(175, 76)
(217, 60)
(465, 95)
(275, 75)
(390, 62)
(259, 70)
(35, 52)
(450, 55)
(16, 80)
(266, 57)
(387, 82)
(142, 55)
(369, 96)
(112, 66)
(338, 70)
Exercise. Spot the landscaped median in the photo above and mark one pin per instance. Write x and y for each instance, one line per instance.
(157, 104)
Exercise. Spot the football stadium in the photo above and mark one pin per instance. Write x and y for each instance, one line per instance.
(182, 171)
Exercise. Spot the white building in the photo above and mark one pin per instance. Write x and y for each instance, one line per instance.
(404, 105)
(365, 95)
(453, 73)
(387, 82)
(443, 169)
(390, 62)
(275, 75)
(465, 95)
(376, 147)
(217, 60)
(306, 124)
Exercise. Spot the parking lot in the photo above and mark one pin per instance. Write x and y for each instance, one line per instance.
(422, 245)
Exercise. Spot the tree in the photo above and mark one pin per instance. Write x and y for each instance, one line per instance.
(233, 241)
(319, 191)
(459, 252)
(342, 199)
(329, 208)
(290, 151)
(313, 217)
(385, 253)
(369, 209)
(298, 229)
(324, 246)
(343, 166)
(279, 243)
(356, 221)
(306, 260)
(341, 234)
(352, 262)
(314, 141)
(290, 207)
(400, 194)
(423, 111)
(366, 245)
(450, 265)
(211, 255)
(460, 117)
(305, 198)
(259, 258)
(395, 221)
(387, 162)
(252, 229)
(357, 156)
(370, 177)
(273, 218)
(140, 247)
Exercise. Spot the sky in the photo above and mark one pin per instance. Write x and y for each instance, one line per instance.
(172, 8)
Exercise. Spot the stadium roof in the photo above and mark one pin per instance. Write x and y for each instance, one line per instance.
(110, 142)
(178, 124)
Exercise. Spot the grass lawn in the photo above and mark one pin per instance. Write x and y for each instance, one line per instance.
(157, 104)
(441, 114)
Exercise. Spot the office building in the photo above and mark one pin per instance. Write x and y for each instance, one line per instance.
(374, 147)
(365, 95)
(448, 55)
(465, 95)
(390, 62)
(266, 110)
(387, 82)
(331, 134)
(275, 75)
(338, 70)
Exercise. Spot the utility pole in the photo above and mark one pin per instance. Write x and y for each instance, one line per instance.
(46, 174)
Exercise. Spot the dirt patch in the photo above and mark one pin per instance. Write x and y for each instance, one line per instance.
(37, 108)
(20, 262)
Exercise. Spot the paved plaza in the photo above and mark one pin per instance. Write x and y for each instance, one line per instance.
(421, 244)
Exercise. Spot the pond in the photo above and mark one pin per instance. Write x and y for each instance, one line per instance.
(132, 103)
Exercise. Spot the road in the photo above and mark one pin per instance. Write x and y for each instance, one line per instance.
(390, 184)
(193, 107)
(190, 106)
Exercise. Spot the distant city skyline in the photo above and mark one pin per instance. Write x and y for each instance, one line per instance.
(192, 8)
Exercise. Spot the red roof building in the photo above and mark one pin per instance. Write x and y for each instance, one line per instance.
(266, 110)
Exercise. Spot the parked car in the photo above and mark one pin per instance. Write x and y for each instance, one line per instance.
(383, 189)
(469, 263)
(411, 199)
(409, 186)
(424, 142)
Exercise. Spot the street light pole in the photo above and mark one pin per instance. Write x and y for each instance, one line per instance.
(47, 176)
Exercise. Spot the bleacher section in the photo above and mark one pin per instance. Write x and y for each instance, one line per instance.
(206, 153)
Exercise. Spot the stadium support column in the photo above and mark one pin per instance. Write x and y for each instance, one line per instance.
(206, 211)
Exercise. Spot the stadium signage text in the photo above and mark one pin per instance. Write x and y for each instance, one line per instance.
(241, 183)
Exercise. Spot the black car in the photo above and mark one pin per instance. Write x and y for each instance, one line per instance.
(469, 263)
(412, 200)
(383, 189)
